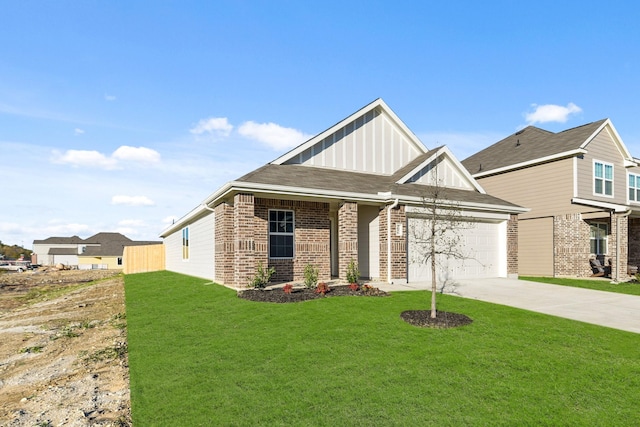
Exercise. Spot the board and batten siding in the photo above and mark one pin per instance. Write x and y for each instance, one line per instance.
(448, 174)
(604, 149)
(546, 189)
(372, 143)
(201, 262)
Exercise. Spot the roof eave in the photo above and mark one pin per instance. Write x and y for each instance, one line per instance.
(540, 160)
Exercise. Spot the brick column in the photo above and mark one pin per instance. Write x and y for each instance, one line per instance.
(347, 236)
(393, 244)
(244, 263)
(224, 244)
(512, 246)
(619, 235)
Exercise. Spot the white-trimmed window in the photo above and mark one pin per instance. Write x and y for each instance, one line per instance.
(634, 187)
(185, 243)
(281, 229)
(602, 178)
(599, 237)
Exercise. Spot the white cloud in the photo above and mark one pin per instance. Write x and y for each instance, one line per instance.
(78, 131)
(109, 97)
(64, 229)
(140, 154)
(214, 126)
(273, 135)
(89, 158)
(132, 200)
(132, 223)
(551, 113)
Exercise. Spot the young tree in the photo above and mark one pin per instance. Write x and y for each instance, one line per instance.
(439, 237)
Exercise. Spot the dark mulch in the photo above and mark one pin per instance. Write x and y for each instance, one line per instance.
(443, 319)
(303, 294)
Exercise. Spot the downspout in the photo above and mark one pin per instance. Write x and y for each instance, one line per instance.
(389, 208)
(626, 214)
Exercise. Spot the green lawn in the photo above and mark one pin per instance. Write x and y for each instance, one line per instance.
(597, 284)
(199, 355)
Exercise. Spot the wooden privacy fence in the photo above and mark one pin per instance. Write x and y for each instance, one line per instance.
(142, 259)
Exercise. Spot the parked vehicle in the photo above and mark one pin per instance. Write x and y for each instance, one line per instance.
(17, 266)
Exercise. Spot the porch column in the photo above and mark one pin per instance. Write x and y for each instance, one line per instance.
(244, 264)
(619, 247)
(224, 244)
(347, 236)
(512, 246)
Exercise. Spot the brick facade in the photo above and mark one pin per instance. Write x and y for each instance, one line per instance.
(224, 243)
(512, 246)
(633, 226)
(398, 244)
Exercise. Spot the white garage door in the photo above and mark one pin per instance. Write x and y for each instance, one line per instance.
(480, 245)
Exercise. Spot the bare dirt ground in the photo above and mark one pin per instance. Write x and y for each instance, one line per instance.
(63, 349)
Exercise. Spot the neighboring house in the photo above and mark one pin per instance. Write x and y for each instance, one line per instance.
(349, 193)
(100, 251)
(57, 250)
(583, 188)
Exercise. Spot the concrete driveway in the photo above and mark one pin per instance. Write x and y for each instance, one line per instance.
(609, 309)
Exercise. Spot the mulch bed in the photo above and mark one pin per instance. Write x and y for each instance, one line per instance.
(443, 319)
(304, 294)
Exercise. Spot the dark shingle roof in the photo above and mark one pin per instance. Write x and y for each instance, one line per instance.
(107, 237)
(63, 251)
(313, 178)
(529, 144)
(60, 240)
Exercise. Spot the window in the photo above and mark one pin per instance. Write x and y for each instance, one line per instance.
(185, 243)
(603, 178)
(598, 241)
(634, 188)
(119, 260)
(281, 225)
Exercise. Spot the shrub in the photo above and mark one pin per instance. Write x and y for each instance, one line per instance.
(352, 272)
(288, 288)
(310, 276)
(354, 286)
(262, 276)
(322, 288)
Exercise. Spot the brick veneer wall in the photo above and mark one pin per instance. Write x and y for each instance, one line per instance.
(347, 236)
(633, 227)
(224, 244)
(243, 243)
(622, 221)
(311, 238)
(398, 244)
(571, 246)
(512, 245)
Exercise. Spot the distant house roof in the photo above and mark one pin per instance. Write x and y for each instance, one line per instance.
(529, 144)
(113, 247)
(60, 240)
(63, 251)
(107, 237)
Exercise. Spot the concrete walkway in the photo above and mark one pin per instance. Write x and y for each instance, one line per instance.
(609, 309)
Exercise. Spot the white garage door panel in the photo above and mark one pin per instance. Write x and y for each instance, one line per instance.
(480, 245)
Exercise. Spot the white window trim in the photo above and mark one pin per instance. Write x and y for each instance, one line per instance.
(276, 233)
(593, 179)
(185, 247)
(637, 175)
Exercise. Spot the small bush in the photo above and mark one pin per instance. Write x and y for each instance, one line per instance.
(354, 286)
(310, 276)
(288, 288)
(353, 274)
(262, 276)
(322, 288)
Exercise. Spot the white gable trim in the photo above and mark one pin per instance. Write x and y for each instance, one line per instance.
(378, 103)
(443, 151)
(628, 158)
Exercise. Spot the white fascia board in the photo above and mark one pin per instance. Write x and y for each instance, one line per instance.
(364, 110)
(418, 201)
(602, 205)
(443, 151)
(546, 159)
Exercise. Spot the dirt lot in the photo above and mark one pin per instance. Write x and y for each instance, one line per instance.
(63, 349)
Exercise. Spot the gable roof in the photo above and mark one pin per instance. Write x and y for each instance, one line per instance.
(533, 145)
(60, 240)
(105, 237)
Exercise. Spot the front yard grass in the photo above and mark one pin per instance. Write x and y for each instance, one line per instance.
(599, 284)
(199, 355)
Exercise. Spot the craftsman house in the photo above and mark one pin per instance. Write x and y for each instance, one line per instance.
(352, 192)
(583, 189)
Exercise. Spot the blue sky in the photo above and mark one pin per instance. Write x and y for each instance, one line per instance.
(122, 115)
